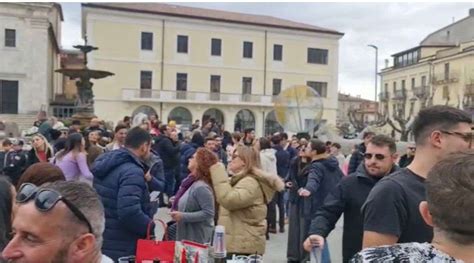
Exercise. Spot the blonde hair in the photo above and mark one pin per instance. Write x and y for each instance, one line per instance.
(46, 144)
(249, 157)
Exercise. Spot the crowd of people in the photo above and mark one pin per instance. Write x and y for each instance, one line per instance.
(95, 191)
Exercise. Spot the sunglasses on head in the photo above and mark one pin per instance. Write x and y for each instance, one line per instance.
(46, 199)
(378, 156)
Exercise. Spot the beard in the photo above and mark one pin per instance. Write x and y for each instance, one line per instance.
(61, 256)
(375, 171)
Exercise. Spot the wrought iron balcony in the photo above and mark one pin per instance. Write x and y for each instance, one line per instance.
(399, 94)
(384, 96)
(194, 97)
(421, 92)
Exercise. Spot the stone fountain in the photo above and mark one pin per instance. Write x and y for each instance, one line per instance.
(85, 97)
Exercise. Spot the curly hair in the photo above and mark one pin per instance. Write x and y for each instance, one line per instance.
(204, 160)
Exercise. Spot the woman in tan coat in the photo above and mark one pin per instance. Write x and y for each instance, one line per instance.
(243, 200)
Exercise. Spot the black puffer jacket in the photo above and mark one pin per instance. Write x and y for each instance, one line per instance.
(323, 176)
(168, 151)
(347, 197)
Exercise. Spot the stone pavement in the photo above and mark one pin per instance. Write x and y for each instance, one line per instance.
(276, 246)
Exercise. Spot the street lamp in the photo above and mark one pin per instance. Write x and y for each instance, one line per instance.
(376, 67)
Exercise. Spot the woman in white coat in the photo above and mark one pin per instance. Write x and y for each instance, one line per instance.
(268, 163)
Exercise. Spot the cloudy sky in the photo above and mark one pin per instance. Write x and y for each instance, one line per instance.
(393, 27)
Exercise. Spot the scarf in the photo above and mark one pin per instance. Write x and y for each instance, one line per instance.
(187, 182)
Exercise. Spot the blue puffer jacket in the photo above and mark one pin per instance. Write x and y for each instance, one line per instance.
(119, 181)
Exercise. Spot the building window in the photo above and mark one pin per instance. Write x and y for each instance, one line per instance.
(10, 37)
(215, 87)
(182, 44)
(216, 47)
(248, 49)
(423, 81)
(181, 81)
(8, 97)
(412, 83)
(320, 87)
(276, 86)
(445, 92)
(403, 85)
(317, 56)
(145, 80)
(246, 88)
(145, 84)
(277, 52)
(181, 85)
(147, 41)
(394, 87)
(446, 71)
(386, 87)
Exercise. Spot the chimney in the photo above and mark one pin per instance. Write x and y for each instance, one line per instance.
(471, 12)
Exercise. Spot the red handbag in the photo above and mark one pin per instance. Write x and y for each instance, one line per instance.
(148, 249)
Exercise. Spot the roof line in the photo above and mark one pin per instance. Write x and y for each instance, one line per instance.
(441, 29)
(209, 18)
(420, 46)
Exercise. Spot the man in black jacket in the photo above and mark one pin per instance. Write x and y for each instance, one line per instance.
(168, 147)
(14, 163)
(358, 156)
(324, 174)
(349, 196)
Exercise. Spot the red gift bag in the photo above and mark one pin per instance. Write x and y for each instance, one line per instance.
(148, 249)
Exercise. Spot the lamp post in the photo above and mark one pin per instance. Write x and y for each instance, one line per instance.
(376, 67)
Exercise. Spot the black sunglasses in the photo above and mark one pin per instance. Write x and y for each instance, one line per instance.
(46, 199)
(467, 137)
(378, 156)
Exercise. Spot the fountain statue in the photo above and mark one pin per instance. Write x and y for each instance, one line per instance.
(85, 100)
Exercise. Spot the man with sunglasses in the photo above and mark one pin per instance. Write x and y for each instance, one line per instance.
(58, 222)
(349, 196)
(391, 213)
(119, 179)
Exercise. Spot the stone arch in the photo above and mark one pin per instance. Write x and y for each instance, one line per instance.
(244, 119)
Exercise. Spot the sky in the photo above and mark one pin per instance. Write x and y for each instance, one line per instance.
(392, 27)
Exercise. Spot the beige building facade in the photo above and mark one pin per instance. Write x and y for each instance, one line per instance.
(440, 71)
(189, 64)
(30, 35)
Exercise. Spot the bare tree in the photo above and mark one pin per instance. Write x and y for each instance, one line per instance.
(357, 122)
(399, 121)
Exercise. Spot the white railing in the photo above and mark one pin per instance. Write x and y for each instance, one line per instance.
(196, 97)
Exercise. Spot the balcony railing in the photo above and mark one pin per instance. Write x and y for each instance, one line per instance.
(441, 79)
(399, 94)
(196, 97)
(421, 92)
(384, 96)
